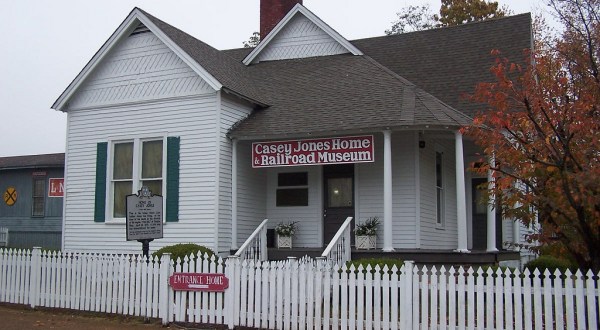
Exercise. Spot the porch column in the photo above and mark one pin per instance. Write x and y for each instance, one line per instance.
(516, 230)
(491, 210)
(387, 192)
(234, 188)
(461, 201)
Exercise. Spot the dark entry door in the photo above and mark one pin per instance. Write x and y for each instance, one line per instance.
(339, 198)
(480, 217)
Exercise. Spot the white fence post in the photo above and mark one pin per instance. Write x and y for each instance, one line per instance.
(406, 309)
(230, 294)
(34, 279)
(165, 303)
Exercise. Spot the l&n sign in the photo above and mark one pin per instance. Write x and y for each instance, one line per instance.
(199, 282)
(339, 150)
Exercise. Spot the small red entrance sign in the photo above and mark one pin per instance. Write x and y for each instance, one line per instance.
(199, 282)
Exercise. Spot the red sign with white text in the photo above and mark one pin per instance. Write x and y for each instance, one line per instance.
(339, 150)
(56, 187)
(199, 282)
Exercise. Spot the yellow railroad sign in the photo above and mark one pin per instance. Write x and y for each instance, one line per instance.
(10, 196)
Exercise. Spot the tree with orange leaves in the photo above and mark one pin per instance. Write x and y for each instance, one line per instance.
(542, 127)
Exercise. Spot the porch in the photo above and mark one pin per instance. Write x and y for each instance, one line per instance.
(339, 250)
(419, 256)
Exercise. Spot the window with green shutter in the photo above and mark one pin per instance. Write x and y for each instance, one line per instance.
(131, 164)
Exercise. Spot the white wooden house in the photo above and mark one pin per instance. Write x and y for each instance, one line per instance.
(208, 129)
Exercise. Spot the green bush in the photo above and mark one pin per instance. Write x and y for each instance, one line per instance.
(373, 262)
(550, 263)
(182, 250)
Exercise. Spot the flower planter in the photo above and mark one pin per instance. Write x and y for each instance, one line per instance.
(284, 241)
(366, 242)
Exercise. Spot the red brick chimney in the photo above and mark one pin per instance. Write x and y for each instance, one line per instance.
(271, 12)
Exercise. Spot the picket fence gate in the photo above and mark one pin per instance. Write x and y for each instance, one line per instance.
(303, 294)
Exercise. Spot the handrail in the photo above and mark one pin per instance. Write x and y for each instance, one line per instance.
(255, 247)
(338, 250)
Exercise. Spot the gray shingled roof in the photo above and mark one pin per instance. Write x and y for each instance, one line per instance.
(449, 62)
(32, 161)
(325, 95)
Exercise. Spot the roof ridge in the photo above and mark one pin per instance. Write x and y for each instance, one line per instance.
(464, 25)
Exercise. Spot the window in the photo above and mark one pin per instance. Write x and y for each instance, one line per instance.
(292, 189)
(38, 196)
(439, 187)
(135, 164)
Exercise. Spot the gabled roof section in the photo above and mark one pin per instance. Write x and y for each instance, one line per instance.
(216, 68)
(299, 10)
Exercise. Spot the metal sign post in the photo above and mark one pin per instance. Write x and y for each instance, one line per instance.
(144, 219)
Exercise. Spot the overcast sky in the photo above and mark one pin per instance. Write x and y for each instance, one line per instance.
(45, 43)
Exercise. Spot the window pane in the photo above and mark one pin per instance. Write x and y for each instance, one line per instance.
(122, 189)
(155, 186)
(152, 159)
(38, 195)
(39, 185)
(123, 161)
(438, 169)
(339, 192)
(440, 200)
(38, 207)
(292, 197)
(292, 179)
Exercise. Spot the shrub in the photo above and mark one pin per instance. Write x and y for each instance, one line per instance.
(550, 263)
(182, 250)
(373, 262)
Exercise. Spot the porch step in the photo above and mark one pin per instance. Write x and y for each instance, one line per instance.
(283, 254)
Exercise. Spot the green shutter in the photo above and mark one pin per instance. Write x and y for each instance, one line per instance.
(172, 179)
(99, 205)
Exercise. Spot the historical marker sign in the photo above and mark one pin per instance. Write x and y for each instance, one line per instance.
(144, 216)
(199, 282)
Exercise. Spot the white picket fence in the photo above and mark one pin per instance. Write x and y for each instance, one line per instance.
(303, 294)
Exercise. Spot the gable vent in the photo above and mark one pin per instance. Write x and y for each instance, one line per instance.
(139, 30)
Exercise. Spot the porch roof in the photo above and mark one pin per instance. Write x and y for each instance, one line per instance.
(325, 95)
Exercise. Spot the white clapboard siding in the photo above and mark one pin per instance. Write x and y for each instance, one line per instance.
(193, 120)
(303, 294)
(310, 218)
(140, 67)
(232, 111)
(434, 236)
(252, 193)
(369, 183)
(300, 38)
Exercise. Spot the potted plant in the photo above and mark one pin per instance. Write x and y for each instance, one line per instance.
(285, 231)
(366, 233)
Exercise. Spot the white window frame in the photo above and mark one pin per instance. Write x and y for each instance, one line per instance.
(440, 210)
(137, 169)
